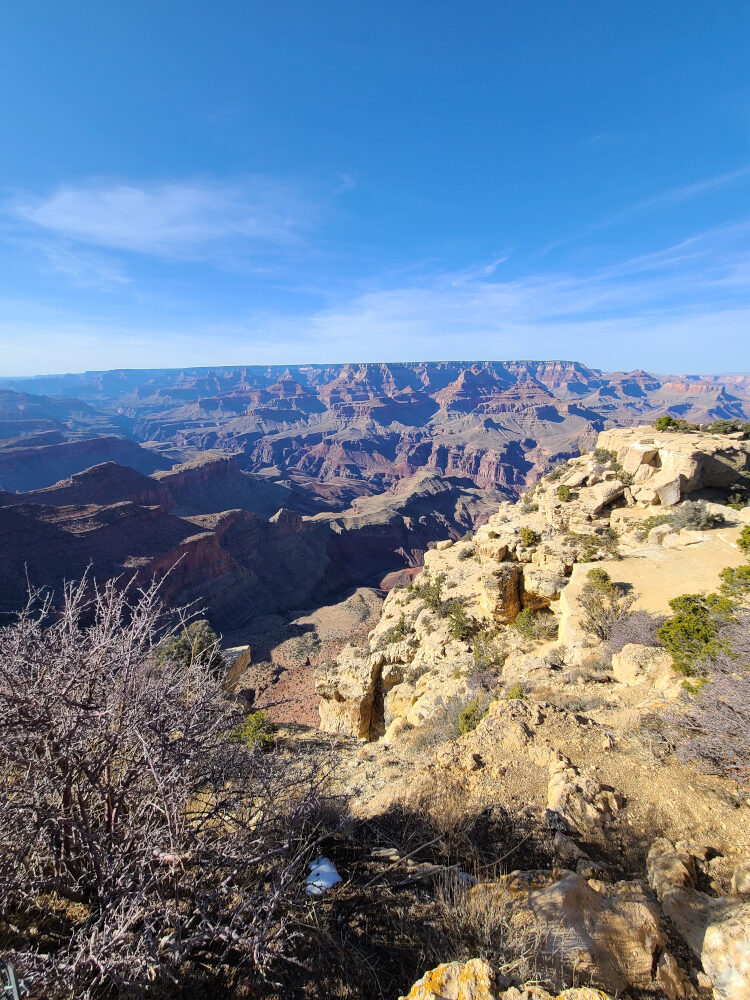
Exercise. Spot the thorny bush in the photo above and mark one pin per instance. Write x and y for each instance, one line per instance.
(141, 848)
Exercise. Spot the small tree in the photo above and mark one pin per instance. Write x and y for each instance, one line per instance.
(714, 731)
(744, 540)
(461, 625)
(691, 633)
(669, 423)
(564, 493)
(603, 604)
(194, 642)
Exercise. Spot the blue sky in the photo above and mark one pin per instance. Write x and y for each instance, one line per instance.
(241, 182)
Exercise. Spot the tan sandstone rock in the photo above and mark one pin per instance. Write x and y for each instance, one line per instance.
(476, 980)
(608, 935)
(636, 664)
(716, 929)
(579, 798)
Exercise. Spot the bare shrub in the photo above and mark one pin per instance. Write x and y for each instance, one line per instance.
(603, 604)
(478, 921)
(695, 515)
(714, 732)
(636, 626)
(139, 843)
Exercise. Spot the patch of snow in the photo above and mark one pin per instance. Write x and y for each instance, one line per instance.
(322, 876)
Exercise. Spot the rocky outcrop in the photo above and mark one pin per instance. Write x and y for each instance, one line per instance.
(477, 980)
(532, 556)
(717, 929)
(666, 466)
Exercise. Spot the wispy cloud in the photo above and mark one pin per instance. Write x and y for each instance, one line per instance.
(663, 199)
(685, 308)
(184, 220)
(87, 270)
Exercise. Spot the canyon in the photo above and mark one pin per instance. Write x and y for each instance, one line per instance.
(258, 490)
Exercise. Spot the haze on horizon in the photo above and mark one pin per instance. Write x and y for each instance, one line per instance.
(240, 184)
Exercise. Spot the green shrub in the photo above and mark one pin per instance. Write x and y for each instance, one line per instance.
(461, 625)
(669, 423)
(744, 540)
(528, 537)
(256, 730)
(728, 427)
(599, 579)
(527, 506)
(649, 523)
(690, 634)
(430, 590)
(735, 583)
(524, 623)
(470, 716)
(514, 691)
(737, 499)
(400, 630)
(492, 534)
(196, 643)
(564, 493)
(465, 552)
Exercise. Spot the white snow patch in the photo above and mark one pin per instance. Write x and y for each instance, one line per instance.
(322, 876)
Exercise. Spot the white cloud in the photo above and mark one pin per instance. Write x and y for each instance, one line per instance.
(180, 219)
(88, 270)
(685, 307)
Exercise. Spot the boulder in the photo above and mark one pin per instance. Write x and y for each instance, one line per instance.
(477, 980)
(639, 453)
(741, 879)
(651, 665)
(500, 595)
(347, 692)
(540, 586)
(583, 803)
(608, 935)
(472, 980)
(596, 498)
(716, 929)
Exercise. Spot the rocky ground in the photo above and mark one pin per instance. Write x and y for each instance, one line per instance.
(458, 709)
(287, 649)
